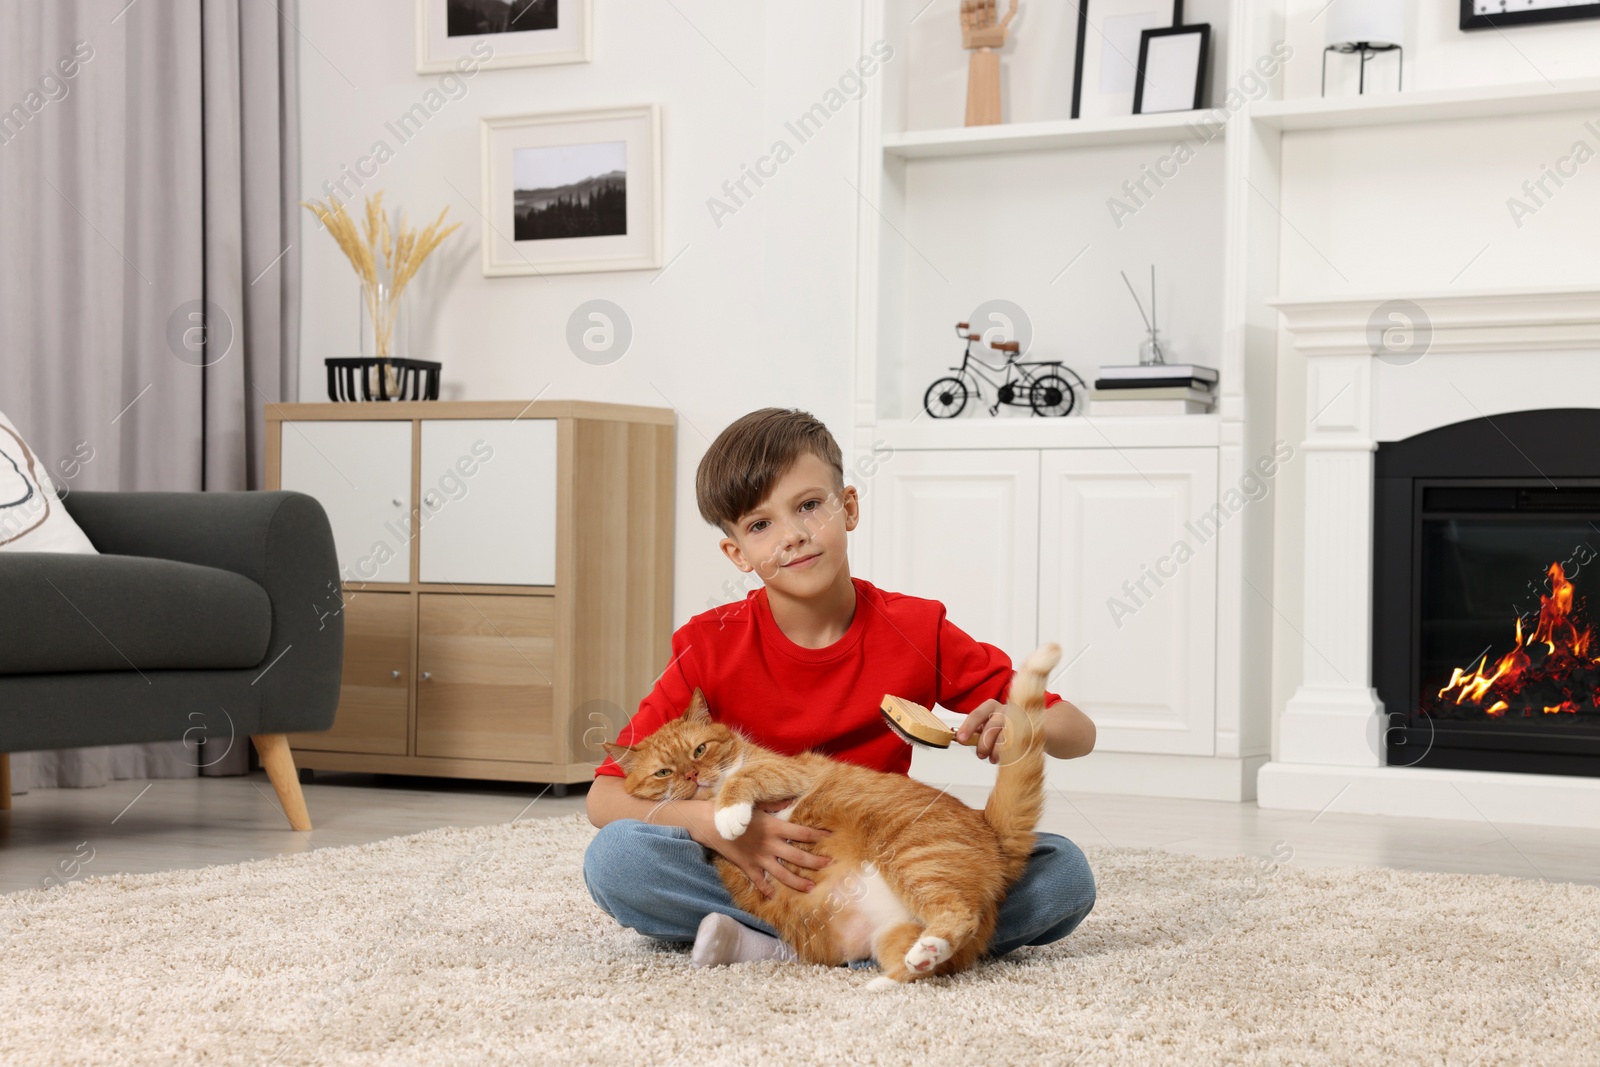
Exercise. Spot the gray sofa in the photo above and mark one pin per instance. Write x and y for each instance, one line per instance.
(212, 615)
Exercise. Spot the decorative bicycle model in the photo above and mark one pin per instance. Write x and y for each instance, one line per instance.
(1037, 384)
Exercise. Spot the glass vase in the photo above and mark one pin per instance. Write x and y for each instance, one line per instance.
(384, 335)
(1154, 349)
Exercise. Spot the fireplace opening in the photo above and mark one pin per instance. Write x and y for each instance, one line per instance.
(1487, 594)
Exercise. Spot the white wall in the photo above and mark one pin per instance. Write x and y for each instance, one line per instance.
(756, 312)
(1423, 208)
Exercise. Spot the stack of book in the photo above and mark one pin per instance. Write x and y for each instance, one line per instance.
(1153, 389)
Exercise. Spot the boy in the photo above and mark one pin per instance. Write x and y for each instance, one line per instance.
(799, 664)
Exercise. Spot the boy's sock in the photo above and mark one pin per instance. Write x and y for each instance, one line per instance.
(724, 939)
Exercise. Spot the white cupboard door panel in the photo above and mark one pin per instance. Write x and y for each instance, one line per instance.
(962, 528)
(361, 474)
(1128, 575)
(488, 502)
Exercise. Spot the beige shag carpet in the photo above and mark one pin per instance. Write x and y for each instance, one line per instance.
(481, 946)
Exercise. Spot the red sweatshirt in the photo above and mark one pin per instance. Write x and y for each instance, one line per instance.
(790, 699)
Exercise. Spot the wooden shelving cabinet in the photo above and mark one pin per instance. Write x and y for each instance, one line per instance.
(507, 566)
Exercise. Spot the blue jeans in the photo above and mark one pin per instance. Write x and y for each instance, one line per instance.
(661, 882)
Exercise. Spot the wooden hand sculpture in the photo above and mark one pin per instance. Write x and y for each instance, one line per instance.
(981, 34)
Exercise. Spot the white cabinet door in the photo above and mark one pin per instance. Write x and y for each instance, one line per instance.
(1128, 576)
(489, 502)
(361, 474)
(962, 528)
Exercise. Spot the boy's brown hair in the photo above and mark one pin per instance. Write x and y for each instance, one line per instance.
(753, 453)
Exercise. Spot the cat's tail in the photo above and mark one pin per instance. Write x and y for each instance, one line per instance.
(1017, 801)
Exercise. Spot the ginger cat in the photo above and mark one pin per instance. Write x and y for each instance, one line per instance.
(917, 877)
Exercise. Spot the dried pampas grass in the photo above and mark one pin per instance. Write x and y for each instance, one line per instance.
(385, 258)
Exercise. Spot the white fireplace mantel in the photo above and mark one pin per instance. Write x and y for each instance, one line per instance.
(1500, 321)
(1383, 368)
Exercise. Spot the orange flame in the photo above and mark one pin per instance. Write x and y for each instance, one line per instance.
(1566, 646)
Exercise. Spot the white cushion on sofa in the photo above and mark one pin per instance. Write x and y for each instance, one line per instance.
(31, 518)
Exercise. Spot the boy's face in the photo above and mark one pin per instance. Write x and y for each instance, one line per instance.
(794, 540)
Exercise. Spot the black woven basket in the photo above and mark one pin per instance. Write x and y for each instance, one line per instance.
(351, 378)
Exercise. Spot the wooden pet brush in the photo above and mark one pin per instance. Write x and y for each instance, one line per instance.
(917, 725)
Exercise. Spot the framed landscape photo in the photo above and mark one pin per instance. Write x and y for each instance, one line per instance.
(514, 33)
(572, 191)
(1492, 14)
(1172, 69)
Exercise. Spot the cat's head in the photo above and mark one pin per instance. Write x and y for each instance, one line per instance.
(681, 756)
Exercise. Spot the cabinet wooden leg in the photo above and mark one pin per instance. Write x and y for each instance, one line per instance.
(5, 781)
(279, 765)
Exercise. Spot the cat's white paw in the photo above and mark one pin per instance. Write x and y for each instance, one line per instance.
(734, 820)
(881, 984)
(927, 954)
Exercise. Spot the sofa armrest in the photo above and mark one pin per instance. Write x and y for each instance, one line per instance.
(283, 542)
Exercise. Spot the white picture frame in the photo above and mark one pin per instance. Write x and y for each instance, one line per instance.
(1111, 53)
(438, 51)
(563, 159)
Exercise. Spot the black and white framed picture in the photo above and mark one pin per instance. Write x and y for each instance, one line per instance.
(1172, 69)
(1106, 75)
(503, 33)
(572, 191)
(1493, 14)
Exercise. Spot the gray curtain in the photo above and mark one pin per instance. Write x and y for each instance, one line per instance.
(148, 278)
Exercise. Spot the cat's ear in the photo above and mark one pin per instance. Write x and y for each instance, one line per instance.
(698, 710)
(623, 754)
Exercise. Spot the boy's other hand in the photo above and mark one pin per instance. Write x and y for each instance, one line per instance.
(756, 851)
(985, 722)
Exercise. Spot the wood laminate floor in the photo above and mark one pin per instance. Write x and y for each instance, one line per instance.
(138, 826)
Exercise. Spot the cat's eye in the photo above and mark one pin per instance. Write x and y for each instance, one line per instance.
(701, 751)
(663, 772)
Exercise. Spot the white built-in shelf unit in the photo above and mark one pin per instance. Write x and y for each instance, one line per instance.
(1036, 136)
(954, 216)
(1006, 518)
(1429, 105)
